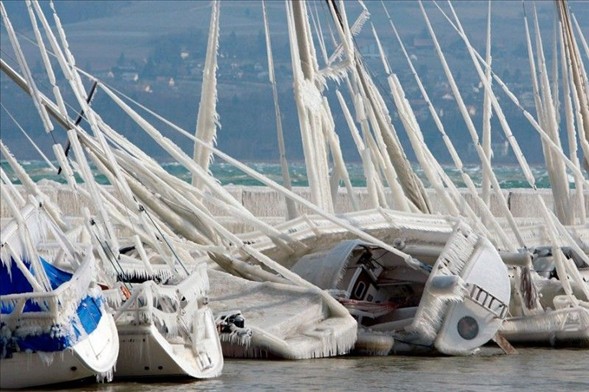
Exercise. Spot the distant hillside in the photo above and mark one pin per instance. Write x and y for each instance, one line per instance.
(154, 51)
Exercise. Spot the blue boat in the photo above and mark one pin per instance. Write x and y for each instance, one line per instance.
(54, 325)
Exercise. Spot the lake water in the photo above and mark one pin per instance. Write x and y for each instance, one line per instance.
(507, 176)
(532, 369)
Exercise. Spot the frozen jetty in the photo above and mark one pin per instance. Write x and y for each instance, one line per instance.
(267, 204)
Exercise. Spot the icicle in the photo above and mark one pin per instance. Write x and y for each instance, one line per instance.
(580, 33)
(318, 30)
(384, 131)
(416, 138)
(361, 20)
(340, 170)
(377, 144)
(369, 174)
(308, 100)
(344, 51)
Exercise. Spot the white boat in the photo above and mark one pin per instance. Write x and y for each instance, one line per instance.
(54, 325)
(168, 330)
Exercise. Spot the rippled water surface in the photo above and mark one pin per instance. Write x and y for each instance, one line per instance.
(508, 176)
(530, 370)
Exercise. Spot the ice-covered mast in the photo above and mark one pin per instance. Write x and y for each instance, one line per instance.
(548, 119)
(291, 211)
(579, 75)
(308, 100)
(371, 108)
(471, 129)
(571, 106)
(456, 204)
(208, 118)
(487, 113)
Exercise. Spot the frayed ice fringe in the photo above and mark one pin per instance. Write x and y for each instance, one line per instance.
(317, 341)
(238, 337)
(107, 376)
(431, 311)
(359, 23)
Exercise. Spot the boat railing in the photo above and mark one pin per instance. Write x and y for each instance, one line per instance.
(52, 300)
(488, 301)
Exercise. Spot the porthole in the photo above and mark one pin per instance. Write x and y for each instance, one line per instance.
(468, 328)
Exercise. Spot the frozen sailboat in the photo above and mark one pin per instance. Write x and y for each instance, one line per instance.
(54, 323)
(165, 326)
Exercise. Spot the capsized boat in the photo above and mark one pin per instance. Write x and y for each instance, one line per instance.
(453, 306)
(54, 326)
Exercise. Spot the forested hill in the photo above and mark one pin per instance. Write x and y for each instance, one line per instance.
(154, 51)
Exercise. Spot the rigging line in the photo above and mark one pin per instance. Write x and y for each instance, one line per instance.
(41, 83)
(79, 118)
(86, 140)
(272, 184)
(81, 115)
(35, 146)
(23, 84)
(164, 238)
(109, 254)
(516, 102)
(123, 207)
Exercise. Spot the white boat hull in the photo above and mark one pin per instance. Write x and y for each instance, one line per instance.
(93, 356)
(560, 327)
(145, 352)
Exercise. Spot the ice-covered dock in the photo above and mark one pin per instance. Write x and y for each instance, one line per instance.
(270, 206)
